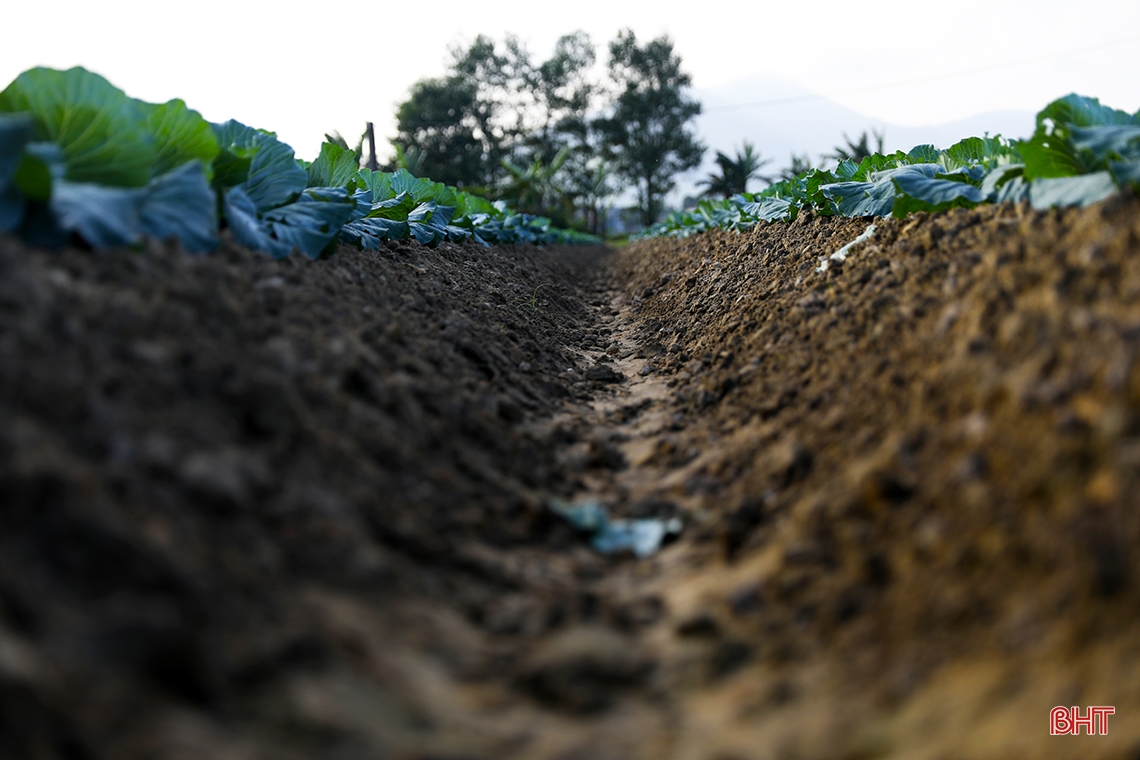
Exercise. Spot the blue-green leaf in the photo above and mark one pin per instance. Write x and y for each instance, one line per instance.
(1125, 172)
(258, 162)
(274, 177)
(1071, 191)
(15, 133)
(862, 198)
(396, 208)
(102, 216)
(242, 218)
(310, 224)
(998, 177)
(922, 193)
(923, 154)
(180, 204)
(936, 191)
(334, 167)
(180, 135)
(1079, 111)
(1121, 141)
(40, 167)
(102, 132)
(777, 210)
(379, 184)
(1013, 191)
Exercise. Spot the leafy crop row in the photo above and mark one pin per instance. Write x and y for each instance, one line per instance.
(1081, 152)
(78, 158)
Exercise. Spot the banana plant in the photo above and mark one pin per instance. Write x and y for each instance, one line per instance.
(533, 189)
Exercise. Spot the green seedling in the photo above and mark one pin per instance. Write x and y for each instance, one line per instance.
(533, 301)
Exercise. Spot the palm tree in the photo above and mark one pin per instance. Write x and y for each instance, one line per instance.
(857, 151)
(800, 164)
(735, 172)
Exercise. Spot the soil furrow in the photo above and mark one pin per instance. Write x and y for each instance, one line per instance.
(292, 509)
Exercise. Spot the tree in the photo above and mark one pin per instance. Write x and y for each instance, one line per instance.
(496, 105)
(646, 135)
(735, 172)
(857, 151)
(593, 185)
(800, 164)
(534, 189)
(563, 94)
(445, 124)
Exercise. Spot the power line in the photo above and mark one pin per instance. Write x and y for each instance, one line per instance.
(921, 80)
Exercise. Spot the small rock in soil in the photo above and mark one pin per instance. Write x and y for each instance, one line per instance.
(604, 373)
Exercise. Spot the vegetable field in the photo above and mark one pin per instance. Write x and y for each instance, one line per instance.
(1081, 152)
(80, 158)
(860, 481)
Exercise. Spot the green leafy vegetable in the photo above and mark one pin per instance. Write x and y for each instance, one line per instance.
(15, 134)
(180, 135)
(180, 204)
(335, 167)
(1071, 191)
(1081, 152)
(259, 163)
(104, 217)
(309, 224)
(102, 132)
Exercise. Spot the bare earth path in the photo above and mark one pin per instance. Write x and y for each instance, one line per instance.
(258, 509)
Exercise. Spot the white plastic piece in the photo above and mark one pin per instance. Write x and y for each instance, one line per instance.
(841, 254)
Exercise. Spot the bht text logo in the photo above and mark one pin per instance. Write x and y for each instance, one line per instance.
(1068, 721)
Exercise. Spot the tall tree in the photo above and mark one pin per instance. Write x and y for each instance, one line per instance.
(495, 105)
(445, 124)
(455, 123)
(563, 93)
(647, 134)
(736, 172)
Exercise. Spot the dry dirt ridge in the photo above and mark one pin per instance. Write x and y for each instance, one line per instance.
(280, 510)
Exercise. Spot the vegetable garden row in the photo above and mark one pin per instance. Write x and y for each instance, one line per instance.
(78, 157)
(1081, 152)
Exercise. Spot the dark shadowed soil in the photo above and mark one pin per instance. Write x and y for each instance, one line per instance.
(257, 509)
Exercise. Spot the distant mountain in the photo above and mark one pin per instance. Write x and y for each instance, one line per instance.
(809, 124)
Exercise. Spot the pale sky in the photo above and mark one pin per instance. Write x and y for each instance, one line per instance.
(303, 69)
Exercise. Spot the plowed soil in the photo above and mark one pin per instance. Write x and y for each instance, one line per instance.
(279, 510)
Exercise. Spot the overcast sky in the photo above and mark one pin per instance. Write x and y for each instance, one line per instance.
(303, 69)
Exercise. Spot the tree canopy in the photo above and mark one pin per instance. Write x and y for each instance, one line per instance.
(547, 135)
(647, 133)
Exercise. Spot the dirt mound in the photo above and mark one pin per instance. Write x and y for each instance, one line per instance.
(920, 474)
(260, 509)
(202, 457)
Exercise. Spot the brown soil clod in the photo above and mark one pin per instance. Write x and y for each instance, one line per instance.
(259, 509)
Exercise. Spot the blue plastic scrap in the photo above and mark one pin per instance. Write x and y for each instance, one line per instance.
(643, 537)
